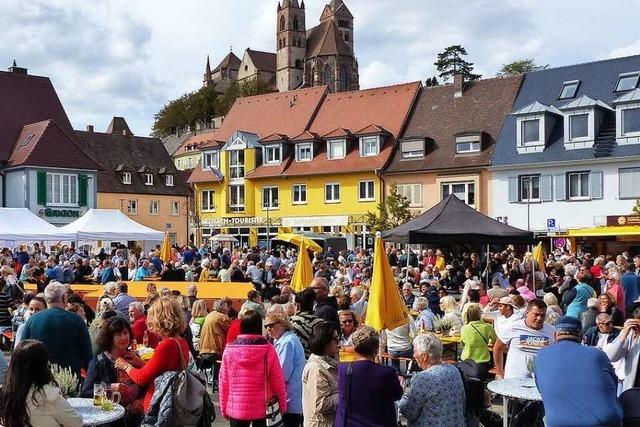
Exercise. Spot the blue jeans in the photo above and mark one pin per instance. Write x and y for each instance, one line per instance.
(404, 353)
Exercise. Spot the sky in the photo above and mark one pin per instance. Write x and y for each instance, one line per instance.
(129, 58)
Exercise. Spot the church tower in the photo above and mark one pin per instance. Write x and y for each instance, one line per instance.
(291, 43)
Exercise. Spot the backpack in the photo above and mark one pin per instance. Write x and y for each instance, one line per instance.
(189, 389)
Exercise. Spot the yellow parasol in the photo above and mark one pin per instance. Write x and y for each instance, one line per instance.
(386, 309)
(303, 272)
(165, 250)
(538, 256)
(296, 239)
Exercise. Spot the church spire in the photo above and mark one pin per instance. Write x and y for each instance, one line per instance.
(208, 66)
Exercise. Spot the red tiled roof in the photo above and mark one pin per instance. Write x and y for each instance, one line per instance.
(197, 141)
(372, 130)
(338, 133)
(288, 113)
(389, 107)
(26, 99)
(46, 144)
(275, 137)
(199, 175)
(306, 136)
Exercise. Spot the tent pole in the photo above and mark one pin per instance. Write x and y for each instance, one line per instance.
(487, 286)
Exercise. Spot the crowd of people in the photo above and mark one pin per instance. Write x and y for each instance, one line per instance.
(308, 358)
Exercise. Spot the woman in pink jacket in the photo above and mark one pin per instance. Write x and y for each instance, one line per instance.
(250, 375)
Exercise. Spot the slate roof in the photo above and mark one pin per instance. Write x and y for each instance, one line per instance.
(200, 175)
(231, 61)
(27, 99)
(348, 112)
(438, 117)
(172, 142)
(288, 113)
(597, 81)
(263, 61)
(325, 39)
(46, 144)
(632, 96)
(132, 153)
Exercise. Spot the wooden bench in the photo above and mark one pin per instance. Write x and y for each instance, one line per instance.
(389, 359)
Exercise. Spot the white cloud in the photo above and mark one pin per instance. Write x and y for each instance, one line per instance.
(129, 58)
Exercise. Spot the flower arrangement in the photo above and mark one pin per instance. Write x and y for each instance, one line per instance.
(66, 380)
(442, 325)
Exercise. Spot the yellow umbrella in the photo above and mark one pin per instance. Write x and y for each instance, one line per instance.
(538, 256)
(296, 239)
(165, 250)
(386, 309)
(303, 272)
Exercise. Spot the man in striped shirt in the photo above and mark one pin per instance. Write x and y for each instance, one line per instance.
(304, 320)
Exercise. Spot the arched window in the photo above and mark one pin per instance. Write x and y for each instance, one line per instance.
(282, 23)
(328, 78)
(346, 37)
(295, 23)
(298, 63)
(344, 79)
(279, 43)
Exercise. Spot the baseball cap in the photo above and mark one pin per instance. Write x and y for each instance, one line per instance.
(569, 324)
(507, 301)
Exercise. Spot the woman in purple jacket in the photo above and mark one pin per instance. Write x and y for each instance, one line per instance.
(367, 391)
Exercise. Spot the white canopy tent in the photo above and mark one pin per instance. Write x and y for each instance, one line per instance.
(110, 225)
(22, 225)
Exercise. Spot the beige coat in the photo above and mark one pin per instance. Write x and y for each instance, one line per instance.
(319, 392)
(51, 409)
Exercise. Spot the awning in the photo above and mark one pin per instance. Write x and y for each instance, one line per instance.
(629, 230)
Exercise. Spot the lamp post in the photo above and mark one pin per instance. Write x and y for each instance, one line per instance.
(270, 204)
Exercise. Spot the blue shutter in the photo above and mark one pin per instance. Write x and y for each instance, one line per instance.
(561, 187)
(513, 189)
(546, 188)
(595, 184)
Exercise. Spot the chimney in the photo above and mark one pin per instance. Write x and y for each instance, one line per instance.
(90, 128)
(17, 70)
(458, 85)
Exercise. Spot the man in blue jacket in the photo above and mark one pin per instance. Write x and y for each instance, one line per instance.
(577, 383)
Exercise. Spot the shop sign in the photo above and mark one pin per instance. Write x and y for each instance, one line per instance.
(239, 222)
(62, 213)
(316, 221)
(622, 220)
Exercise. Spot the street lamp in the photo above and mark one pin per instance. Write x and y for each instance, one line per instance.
(270, 203)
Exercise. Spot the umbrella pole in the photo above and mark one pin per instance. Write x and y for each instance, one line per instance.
(487, 287)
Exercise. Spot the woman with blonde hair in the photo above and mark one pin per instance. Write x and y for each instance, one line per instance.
(204, 274)
(449, 307)
(554, 312)
(165, 318)
(198, 313)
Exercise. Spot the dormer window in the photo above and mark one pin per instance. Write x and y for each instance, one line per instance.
(412, 148)
(627, 81)
(569, 89)
(148, 179)
(126, 178)
(530, 131)
(304, 152)
(468, 144)
(369, 146)
(272, 154)
(336, 149)
(578, 126)
(211, 159)
(168, 180)
(631, 121)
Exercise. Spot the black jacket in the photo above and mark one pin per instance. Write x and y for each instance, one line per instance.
(328, 310)
(590, 338)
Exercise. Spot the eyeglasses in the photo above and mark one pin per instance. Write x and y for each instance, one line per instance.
(270, 325)
(346, 322)
(605, 324)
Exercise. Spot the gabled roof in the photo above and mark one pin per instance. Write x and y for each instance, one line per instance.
(338, 133)
(597, 81)
(196, 141)
(206, 175)
(26, 99)
(325, 39)
(305, 136)
(438, 117)
(231, 61)
(172, 142)
(248, 139)
(537, 107)
(119, 125)
(139, 154)
(632, 96)
(263, 61)
(372, 130)
(584, 102)
(288, 113)
(274, 137)
(46, 144)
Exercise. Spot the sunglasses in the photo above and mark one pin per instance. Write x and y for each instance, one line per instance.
(346, 322)
(270, 325)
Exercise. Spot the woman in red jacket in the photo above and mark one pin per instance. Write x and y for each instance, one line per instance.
(165, 319)
(249, 375)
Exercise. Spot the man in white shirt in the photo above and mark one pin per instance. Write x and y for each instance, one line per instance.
(506, 316)
(523, 338)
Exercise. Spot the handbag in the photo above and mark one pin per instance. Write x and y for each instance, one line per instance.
(273, 415)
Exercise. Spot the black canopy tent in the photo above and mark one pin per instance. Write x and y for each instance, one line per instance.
(453, 221)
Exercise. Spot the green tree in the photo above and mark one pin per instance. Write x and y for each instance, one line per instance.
(451, 62)
(392, 212)
(520, 66)
(636, 208)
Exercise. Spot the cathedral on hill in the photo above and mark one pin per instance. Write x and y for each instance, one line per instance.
(321, 55)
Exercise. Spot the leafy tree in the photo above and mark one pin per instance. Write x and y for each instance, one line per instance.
(520, 66)
(392, 212)
(636, 208)
(433, 81)
(451, 62)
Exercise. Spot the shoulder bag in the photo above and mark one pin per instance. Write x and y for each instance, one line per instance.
(273, 415)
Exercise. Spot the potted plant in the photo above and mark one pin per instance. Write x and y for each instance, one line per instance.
(66, 380)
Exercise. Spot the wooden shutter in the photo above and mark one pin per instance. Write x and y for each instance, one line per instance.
(82, 190)
(42, 188)
(561, 187)
(513, 189)
(595, 184)
(546, 188)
